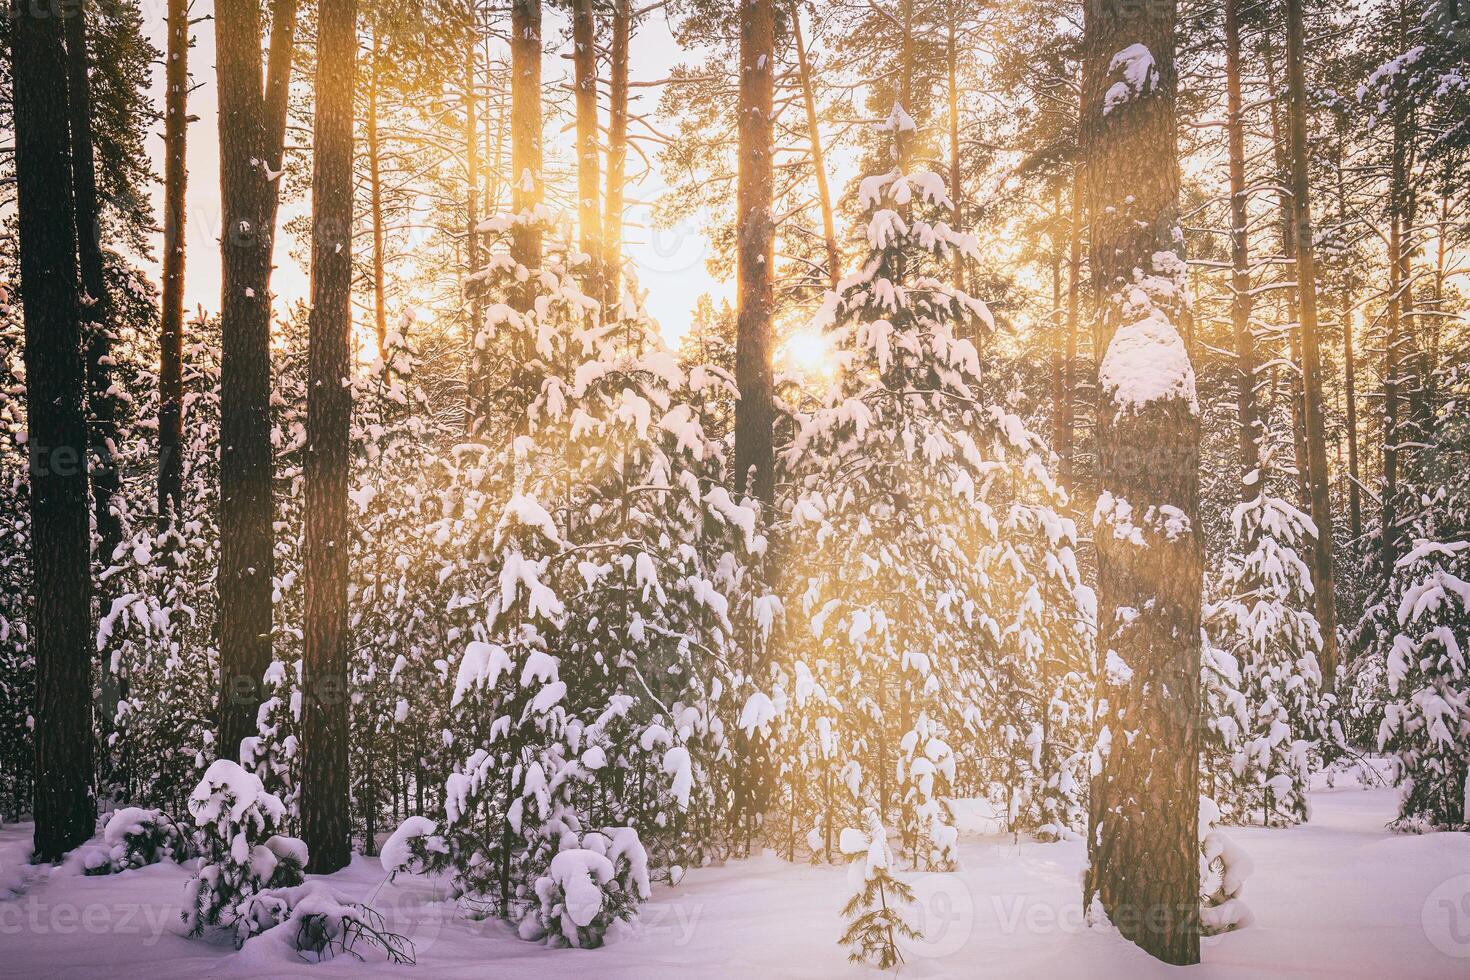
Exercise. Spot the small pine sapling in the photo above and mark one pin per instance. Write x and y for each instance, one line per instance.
(875, 912)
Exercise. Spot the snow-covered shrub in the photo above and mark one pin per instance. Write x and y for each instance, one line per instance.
(241, 853)
(879, 910)
(588, 885)
(931, 588)
(135, 837)
(408, 847)
(1223, 869)
(1261, 678)
(317, 922)
(1426, 718)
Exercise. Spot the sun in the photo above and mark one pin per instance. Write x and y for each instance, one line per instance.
(806, 352)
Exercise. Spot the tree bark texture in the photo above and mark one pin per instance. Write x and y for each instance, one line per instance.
(1143, 841)
(64, 804)
(755, 234)
(252, 126)
(171, 327)
(589, 177)
(1240, 275)
(325, 805)
(96, 310)
(1319, 484)
(617, 153)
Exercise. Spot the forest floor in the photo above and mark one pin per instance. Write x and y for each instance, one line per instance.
(1339, 896)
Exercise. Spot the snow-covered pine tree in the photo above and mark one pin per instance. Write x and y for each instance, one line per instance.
(878, 911)
(399, 615)
(1264, 625)
(1409, 694)
(272, 753)
(924, 550)
(17, 663)
(157, 634)
(583, 703)
(1426, 716)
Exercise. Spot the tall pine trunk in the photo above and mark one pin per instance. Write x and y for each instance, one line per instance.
(952, 58)
(1286, 227)
(1319, 483)
(755, 237)
(1350, 373)
(1240, 275)
(171, 327)
(475, 407)
(617, 153)
(64, 805)
(252, 126)
(589, 219)
(1388, 541)
(325, 816)
(375, 201)
(1143, 844)
(819, 164)
(1067, 427)
(525, 129)
(96, 309)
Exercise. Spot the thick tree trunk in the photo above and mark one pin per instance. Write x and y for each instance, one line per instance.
(375, 191)
(171, 329)
(589, 178)
(755, 235)
(61, 635)
(617, 153)
(96, 310)
(525, 129)
(819, 165)
(326, 824)
(1240, 275)
(1319, 483)
(1143, 841)
(251, 132)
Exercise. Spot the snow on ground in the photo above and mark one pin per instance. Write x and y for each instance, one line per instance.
(1338, 897)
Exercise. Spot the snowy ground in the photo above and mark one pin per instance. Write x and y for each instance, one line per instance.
(1337, 897)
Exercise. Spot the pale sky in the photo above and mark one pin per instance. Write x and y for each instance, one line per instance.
(671, 262)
